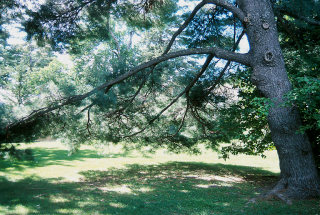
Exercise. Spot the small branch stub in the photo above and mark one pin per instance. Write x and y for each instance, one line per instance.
(265, 25)
(247, 19)
(268, 57)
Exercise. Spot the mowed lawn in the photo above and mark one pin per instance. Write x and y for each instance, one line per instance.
(110, 180)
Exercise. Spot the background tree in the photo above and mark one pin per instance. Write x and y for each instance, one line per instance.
(31, 77)
(130, 103)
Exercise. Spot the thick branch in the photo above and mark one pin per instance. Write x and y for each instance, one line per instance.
(235, 10)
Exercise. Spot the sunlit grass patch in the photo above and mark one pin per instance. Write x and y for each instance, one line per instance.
(117, 205)
(18, 209)
(58, 199)
(119, 189)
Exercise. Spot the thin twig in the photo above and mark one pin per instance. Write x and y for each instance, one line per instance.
(88, 122)
(183, 119)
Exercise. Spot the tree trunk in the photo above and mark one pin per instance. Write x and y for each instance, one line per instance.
(299, 177)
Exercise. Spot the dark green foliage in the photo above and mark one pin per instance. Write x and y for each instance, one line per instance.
(244, 122)
(11, 14)
(28, 131)
(90, 20)
(5, 7)
(306, 95)
(65, 24)
(147, 13)
(197, 96)
(13, 153)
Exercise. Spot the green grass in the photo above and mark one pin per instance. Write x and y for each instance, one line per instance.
(139, 183)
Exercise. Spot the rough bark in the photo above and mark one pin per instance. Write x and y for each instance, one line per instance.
(299, 178)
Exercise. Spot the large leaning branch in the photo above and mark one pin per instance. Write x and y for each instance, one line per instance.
(216, 52)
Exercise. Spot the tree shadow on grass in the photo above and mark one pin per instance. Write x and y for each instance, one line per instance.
(46, 156)
(171, 188)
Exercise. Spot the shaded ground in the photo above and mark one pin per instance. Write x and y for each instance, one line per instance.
(169, 188)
